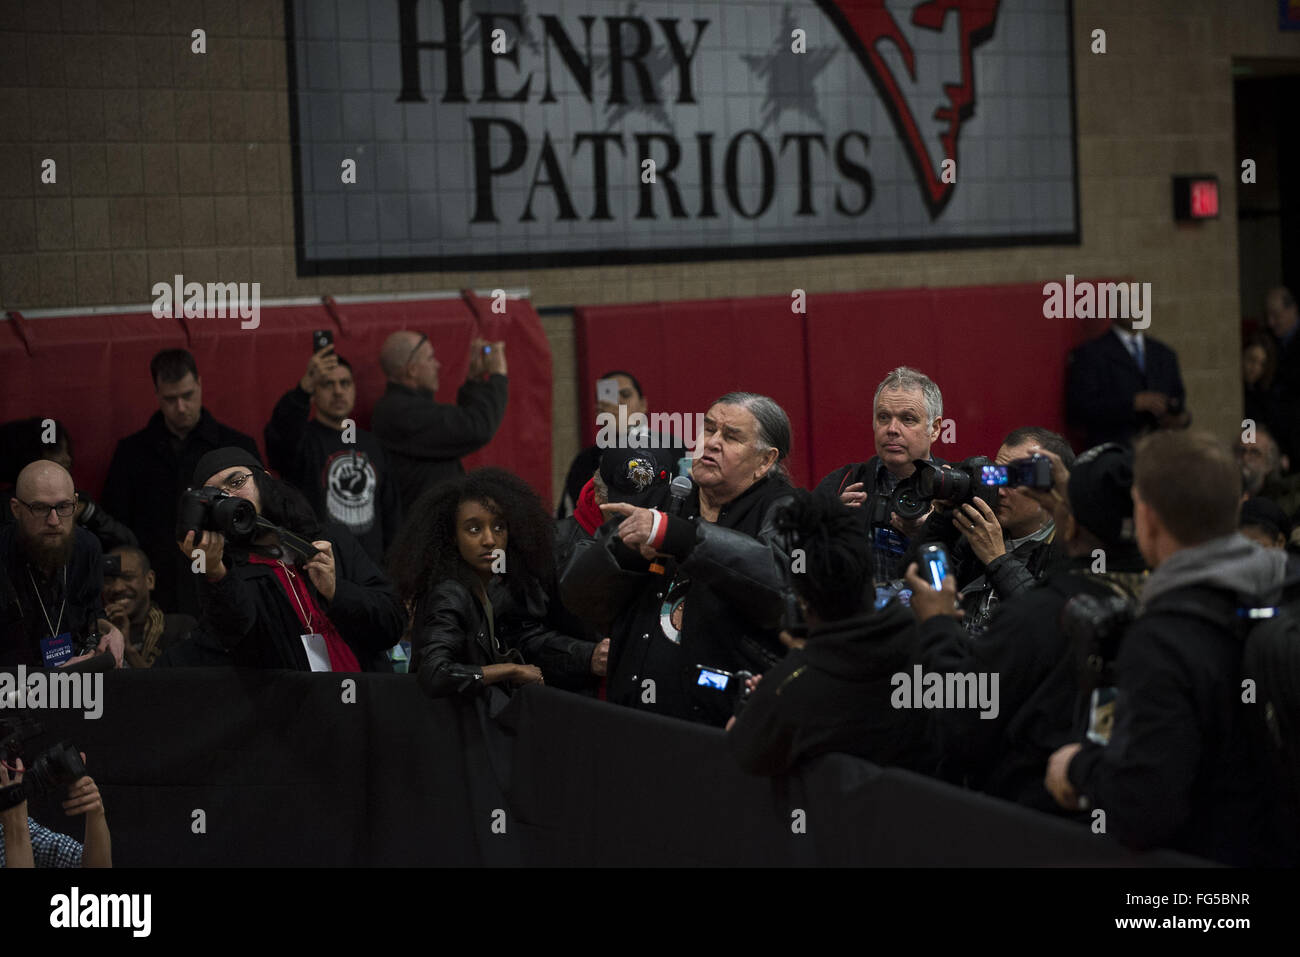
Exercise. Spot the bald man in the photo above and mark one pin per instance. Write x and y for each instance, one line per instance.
(425, 439)
(51, 576)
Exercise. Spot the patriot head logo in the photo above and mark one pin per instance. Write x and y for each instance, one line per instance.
(920, 58)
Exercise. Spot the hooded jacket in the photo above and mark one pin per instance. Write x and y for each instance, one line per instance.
(718, 602)
(1182, 769)
(834, 694)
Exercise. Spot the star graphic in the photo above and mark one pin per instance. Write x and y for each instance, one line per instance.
(789, 75)
(516, 8)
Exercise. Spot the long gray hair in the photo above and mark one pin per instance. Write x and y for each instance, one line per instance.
(773, 424)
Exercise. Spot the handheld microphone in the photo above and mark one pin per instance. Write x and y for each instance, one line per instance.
(680, 490)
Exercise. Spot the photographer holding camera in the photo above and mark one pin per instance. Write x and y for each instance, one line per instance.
(345, 475)
(278, 589)
(907, 412)
(1185, 767)
(24, 843)
(997, 550)
(1054, 654)
(426, 439)
(51, 575)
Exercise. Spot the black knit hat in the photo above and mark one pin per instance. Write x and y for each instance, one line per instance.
(1100, 490)
(219, 460)
(633, 475)
(1266, 514)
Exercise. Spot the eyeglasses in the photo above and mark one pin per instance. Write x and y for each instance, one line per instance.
(42, 511)
(236, 482)
(419, 342)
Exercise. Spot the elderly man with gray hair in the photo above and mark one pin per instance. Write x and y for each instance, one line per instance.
(907, 413)
(694, 593)
(425, 439)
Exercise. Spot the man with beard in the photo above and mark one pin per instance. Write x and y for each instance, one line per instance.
(1263, 471)
(344, 473)
(129, 605)
(51, 576)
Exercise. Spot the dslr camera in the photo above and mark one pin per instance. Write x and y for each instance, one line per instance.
(1094, 627)
(958, 484)
(215, 510)
(49, 772)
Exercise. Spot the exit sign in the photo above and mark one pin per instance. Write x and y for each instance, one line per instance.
(1196, 197)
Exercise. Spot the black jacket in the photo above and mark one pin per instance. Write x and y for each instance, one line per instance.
(349, 483)
(143, 490)
(1102, 378)
(728, 584)
(889, 547)
(22, 623)
(834, 694)
(1042, 698)
(454, 639)
(982, 586)
(1183, 769)
(249, 612)
(426, 439)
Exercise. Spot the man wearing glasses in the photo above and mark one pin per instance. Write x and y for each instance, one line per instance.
(151, 468)
(51, 576)
(426, 439)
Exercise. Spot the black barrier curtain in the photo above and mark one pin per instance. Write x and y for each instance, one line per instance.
(225, 767)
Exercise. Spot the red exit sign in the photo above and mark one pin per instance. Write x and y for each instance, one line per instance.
(1196, 197)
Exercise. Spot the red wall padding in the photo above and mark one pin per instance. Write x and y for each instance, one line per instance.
(998, 362)
(686, 354)
(92, 372)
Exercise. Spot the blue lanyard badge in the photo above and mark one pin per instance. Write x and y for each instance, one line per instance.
(889, 540)
(55, 651)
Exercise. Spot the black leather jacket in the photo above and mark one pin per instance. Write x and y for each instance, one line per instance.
(727, 588)
(453, 640)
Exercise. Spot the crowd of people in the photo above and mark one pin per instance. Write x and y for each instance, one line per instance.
(1098, 609)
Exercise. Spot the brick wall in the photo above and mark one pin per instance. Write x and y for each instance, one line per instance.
(172, 162)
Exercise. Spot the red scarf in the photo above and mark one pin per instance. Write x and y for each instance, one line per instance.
(295, 584)
(587, 512)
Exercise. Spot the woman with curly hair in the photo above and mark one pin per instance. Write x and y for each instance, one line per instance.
(475, 560)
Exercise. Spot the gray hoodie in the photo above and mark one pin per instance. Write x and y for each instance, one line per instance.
(1233, 562)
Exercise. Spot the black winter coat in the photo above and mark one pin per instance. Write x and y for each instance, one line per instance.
(425, 439)
(453, 640)
(834, 694)
(1042, 701)
(1183, 768)
(143, 491)
(250, 613)
(728, 588)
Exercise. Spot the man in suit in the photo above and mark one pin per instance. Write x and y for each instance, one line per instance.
(1284, 323)
(152, 467)
(1124, 384)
